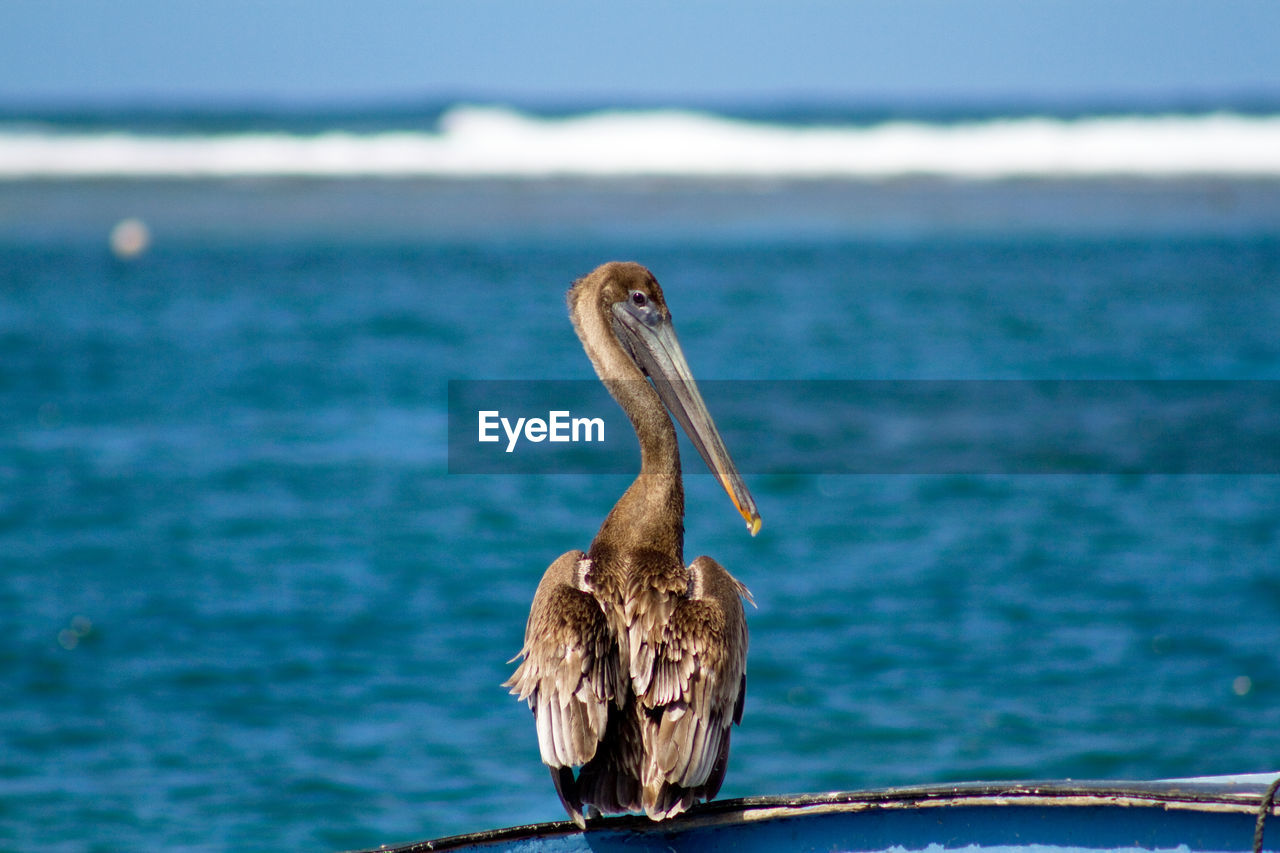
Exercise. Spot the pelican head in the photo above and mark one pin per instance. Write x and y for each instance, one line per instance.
(625, 326)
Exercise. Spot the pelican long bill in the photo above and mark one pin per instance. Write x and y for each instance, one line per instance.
(652, 340)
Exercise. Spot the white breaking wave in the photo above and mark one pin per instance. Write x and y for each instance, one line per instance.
(475, 142)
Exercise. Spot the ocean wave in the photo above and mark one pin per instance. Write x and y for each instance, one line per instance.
(475, 142)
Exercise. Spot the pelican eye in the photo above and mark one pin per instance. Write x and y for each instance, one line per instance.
(638, 299)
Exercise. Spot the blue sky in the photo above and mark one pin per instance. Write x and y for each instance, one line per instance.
(342, 51)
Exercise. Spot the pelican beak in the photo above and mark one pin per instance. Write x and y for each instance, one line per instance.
(651, 338)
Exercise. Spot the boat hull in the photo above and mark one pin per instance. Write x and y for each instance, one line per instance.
(1197, 816)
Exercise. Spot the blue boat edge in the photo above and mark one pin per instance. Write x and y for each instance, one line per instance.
(1193, 814)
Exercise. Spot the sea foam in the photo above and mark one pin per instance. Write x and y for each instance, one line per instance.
(475, 141)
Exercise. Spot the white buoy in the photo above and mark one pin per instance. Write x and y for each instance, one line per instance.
(130, 238)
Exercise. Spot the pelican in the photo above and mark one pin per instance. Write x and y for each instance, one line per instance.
(634, 664)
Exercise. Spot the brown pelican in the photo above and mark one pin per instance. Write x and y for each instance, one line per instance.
(634, 664)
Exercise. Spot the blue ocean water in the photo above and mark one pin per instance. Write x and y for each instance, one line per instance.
(246, 607)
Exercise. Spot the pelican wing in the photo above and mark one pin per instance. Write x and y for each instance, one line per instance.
(695, 692)
(569, 673)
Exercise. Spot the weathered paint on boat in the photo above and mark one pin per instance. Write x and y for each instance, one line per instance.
(1193, 815)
